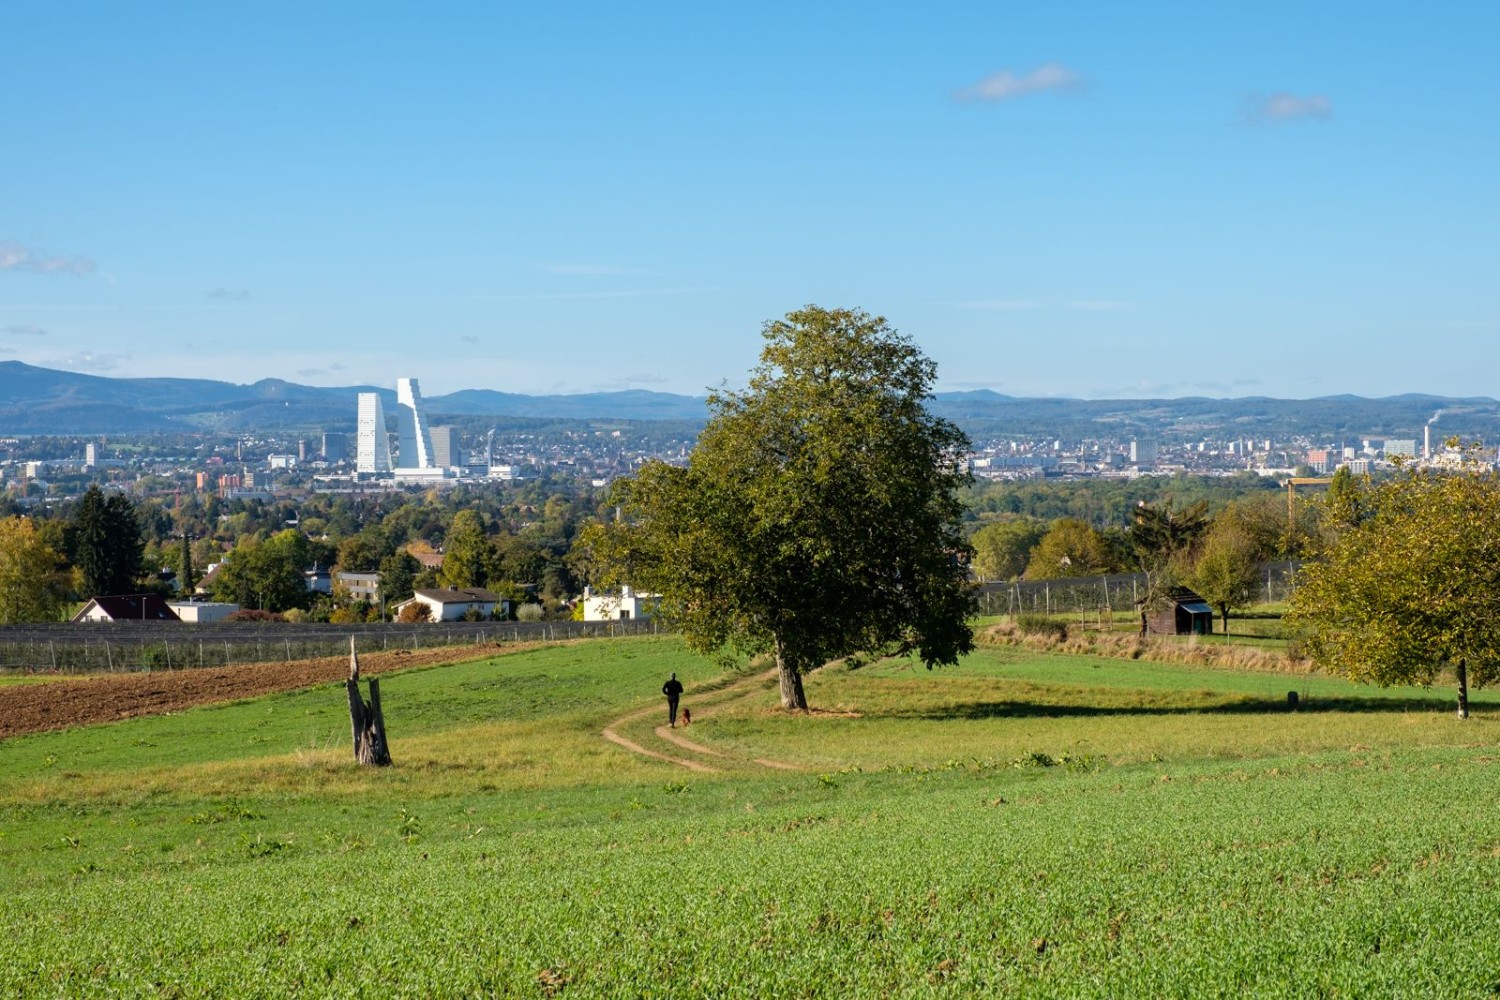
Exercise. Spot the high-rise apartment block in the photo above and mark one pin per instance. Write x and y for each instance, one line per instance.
(445, 448)
(373, 454)
(413, 440)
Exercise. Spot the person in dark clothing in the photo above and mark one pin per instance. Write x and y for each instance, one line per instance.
(673, 690)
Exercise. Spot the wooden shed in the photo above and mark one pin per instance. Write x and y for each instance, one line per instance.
(1185, 613)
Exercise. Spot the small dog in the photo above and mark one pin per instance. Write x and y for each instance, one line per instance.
(687, 716)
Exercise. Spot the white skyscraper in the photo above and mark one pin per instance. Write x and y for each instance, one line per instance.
(374, 451)
(414, 442)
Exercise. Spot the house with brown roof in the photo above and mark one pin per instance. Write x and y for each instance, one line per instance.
(447, 605)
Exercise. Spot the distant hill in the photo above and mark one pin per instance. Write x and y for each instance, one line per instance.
(44, 401)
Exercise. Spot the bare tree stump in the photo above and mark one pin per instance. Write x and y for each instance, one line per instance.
(366, 720)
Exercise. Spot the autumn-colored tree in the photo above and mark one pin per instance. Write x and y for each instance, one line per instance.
(1002, 549)
(1414, 587)
(415, 611)
(1070, 548)
(33, 586)
(1226, 569)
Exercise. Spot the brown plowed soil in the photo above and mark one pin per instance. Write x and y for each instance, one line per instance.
(36, 708)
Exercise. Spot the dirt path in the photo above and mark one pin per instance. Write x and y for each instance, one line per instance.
(61, 704)
(715, 699)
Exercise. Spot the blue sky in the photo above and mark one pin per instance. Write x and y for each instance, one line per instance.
(1097, 200)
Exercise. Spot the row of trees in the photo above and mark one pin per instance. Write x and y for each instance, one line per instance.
(1220, 557)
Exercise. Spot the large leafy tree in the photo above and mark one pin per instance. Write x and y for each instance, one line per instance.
(1225, 569)
(107, 543)
(818, 515)
(468, 554)
(32, 585)
(1412, 588)
(266, 575)
(1070, 548)
(1002, 549)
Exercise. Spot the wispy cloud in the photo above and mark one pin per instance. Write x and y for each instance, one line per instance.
(1006, 84)
(1271, 109)
(18, 257)
(1000, 305)
(629, 382)
(608, 270)
(312, 372)
(22, 330)
(87, 361)
(222, 294)
(469, 338)
(1096, 305)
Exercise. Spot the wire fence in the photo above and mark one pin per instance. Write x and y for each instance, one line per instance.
(136, 646)
(1113, 592)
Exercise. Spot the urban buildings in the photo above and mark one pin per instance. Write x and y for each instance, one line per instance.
(413, 440)
(373, 454)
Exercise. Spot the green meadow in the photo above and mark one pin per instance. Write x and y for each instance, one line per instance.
(1021, 824)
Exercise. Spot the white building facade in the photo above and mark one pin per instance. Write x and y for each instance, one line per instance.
(374, 448)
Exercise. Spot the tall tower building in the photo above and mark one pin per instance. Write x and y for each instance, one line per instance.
(445, 449)
(374, 450)
(413, 440)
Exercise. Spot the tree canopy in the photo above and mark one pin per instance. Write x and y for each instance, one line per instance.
(32, 585)
(1413, 587)
(107, 543)
(818, 515)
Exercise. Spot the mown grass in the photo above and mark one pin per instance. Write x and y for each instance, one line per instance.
(1022, 823)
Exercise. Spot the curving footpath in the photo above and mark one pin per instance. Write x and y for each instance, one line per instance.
(717, 699)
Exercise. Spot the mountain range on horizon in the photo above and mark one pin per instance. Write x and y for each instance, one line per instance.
(35, 400)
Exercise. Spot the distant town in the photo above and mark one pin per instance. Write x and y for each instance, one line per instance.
(403, 450)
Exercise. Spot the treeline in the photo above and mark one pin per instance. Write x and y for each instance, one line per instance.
(1176, 540)
(1107, 503)
(515, 540)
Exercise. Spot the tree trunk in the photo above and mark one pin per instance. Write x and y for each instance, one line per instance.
(1463, 689)
(366, 720)
(1224, 613)
(792, 695)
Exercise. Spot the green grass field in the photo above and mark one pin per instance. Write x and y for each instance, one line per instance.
(1022, 824)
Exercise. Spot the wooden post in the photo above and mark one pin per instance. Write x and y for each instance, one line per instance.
(366, 720)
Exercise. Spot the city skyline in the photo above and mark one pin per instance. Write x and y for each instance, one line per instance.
(1270, 201)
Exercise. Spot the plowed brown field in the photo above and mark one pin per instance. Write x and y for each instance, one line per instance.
(35, 708)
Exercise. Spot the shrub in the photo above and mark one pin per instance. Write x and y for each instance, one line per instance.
(529, 613)
(1041, 625)
(252, 615)
(416, 611)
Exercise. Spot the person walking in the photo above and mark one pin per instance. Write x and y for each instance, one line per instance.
(673, 690)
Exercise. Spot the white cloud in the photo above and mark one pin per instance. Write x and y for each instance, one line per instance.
(628, 382)
(17, 257)
(1284, 107)
(22, 330)
(87, 361)
(1004, 85)
(1001, 305)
